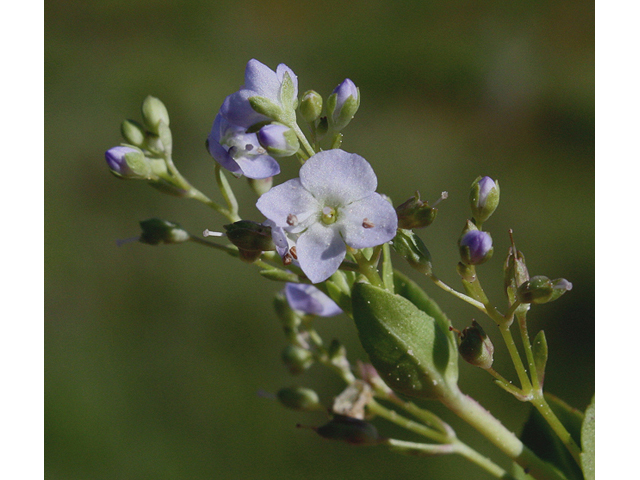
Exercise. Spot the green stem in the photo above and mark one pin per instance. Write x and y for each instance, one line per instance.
(543, 407)
(471, 301)
(525, 384)
(227, 193)
(369, 268)
(303, 139)
(447, 444)
(479, 418)
(528, 349)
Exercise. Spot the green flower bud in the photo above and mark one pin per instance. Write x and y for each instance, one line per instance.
(475, 346)
(311, 106)
(133, 132)
(299, 398)
(296, 359)
(351, 430)
(250, 236)
(154, 112)
(156, 231)
(542, 290)
(415, 213)
(408, 245)
(484, 198)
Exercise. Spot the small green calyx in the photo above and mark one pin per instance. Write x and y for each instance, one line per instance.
(351, 430)
(311, 106)
(414, 213)
(407, 244)
(250, 236)
(410, 350)
(475, 346)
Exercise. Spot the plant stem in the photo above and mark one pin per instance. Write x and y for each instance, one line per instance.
(447, 444)
(303, 139)
(525, 384)
(471, 301)
(479, 418)
(545, 410)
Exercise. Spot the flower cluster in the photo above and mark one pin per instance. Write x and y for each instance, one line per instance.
(235, 141)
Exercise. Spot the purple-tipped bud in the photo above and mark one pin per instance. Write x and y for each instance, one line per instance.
(476, 247)
(308, 299)
(542, 290)
(279, 140)
(343, 104)
(484, 198)
(128, 162)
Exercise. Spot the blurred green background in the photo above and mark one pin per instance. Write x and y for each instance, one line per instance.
(155, 355)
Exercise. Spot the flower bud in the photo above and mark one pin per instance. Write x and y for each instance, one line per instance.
(128, 162)
(260, 185)
(515, 272)
(542, 290)
(351, 430)
(343, 104)
(408, 245)
(299, 398)
(414, 213)
(154, 112)
(296, 359)
(133, 132)
(156, 231)
(475, 346)
(279, 140)
(311, 106)
(250, 236)
(476, 247)
(484, 198)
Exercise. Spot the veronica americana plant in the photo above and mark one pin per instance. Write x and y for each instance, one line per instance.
(330, 237)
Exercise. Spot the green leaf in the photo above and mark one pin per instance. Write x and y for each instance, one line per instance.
(410, 290)
(539, 437)
(540, 354)
(408, 348)
(266, 107)
(589, 442)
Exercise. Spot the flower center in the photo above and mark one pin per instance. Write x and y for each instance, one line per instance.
(329, 215)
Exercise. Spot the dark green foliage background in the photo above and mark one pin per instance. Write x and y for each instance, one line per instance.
(155, 355)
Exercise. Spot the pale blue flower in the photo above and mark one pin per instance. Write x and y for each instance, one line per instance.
(333, 204)
(240, 152)
(309, 299)
(261, 81)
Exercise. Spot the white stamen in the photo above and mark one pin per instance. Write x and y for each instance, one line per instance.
(209, 233)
